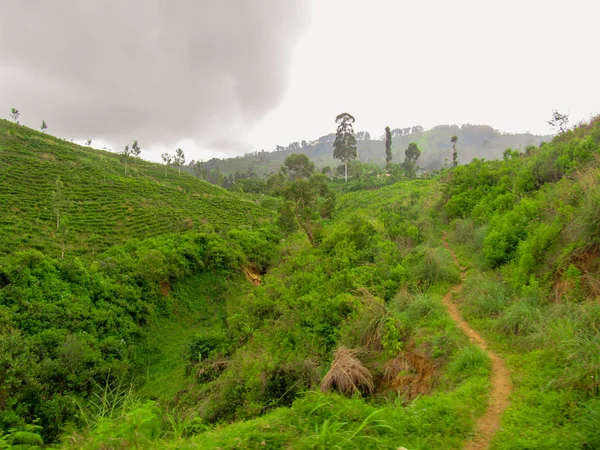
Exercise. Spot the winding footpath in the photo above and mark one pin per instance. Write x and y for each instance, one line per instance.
(501, 386)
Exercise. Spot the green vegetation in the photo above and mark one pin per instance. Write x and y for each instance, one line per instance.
(209, 321)
(344, 145)
(103, 207)
(534, 219)
(477, 141)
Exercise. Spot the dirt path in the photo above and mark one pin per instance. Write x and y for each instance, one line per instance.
(501, 386)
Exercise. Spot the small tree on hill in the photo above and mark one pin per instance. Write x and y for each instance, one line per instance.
(344, 146)
(179, 159)
(306, 202)
(94, 241)
(199, 170)
(298, 165)
(388, 146)
(125, 157)
(58, 200)
(167, 161)
(63, 232)
(14, 114)
(43, 127)
(135, 149)
(559, 122)
(88, 142)
(454, 140)
(411, 154)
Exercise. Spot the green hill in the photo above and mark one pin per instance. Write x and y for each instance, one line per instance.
(101, 205)
(474, 141)
(384, 328)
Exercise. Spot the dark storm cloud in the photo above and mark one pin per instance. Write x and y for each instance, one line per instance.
(154, 70)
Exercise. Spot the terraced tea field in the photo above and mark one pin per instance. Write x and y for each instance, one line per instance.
(101, 205)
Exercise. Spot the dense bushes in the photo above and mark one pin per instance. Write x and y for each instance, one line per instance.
(67, 327)
(281, 336)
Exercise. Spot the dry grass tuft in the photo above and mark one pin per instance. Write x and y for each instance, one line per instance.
(252, 274)
(371, 325)
(394, 366)
(347, 374)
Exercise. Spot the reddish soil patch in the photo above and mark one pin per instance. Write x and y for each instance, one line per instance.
(165, 288)
(415, 375)
(253, 275)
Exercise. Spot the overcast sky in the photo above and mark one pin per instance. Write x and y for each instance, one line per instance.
(221, 77)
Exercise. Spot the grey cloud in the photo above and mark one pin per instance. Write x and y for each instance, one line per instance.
(155, 70)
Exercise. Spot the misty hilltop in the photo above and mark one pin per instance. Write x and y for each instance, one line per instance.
(474, 141)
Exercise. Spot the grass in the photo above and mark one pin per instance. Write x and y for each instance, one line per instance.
(103, 207)
(347, 374)
(202, 299)
(443, 417)
(552, 353)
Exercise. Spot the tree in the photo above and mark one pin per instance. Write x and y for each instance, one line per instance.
(14, 114)
(454, 140)
(411, 154)
(559, 122)
(179, 159)
(88, 142)
(135, 149)
(63, 232)
(125, 156)
(199, 170)
(58, 200)
(43, 127)
(344, 145)
(306, 202)
(167, 161)
(275, 184)
(298, 165)
(388, 146)
(94, 241)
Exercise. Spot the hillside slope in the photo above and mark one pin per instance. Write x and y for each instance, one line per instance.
(101, 205)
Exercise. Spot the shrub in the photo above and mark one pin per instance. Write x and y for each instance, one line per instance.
(485, 297)
(206, 345)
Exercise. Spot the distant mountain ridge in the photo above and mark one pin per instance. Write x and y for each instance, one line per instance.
(474, 141)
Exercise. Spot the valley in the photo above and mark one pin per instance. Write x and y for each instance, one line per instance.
(147, 308)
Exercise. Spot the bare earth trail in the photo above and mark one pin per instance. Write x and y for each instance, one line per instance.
(501, 386)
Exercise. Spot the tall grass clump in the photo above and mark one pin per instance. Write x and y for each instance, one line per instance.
(588, 218)
(428, 266)
(589, 425)
(572, 331)
(523, 317)
(485, 296)
(424, 305)
(469, 360)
